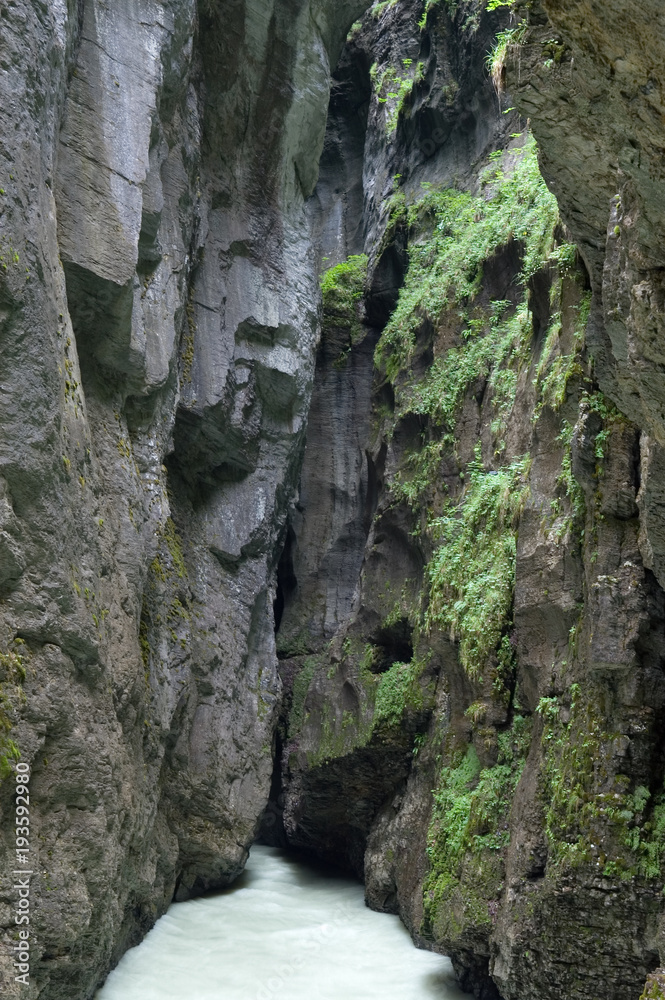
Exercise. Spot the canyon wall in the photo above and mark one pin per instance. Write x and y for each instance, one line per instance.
(382, 581)
(158, 316)
(472, 722)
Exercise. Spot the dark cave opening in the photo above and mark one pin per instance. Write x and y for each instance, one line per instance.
(286, 578)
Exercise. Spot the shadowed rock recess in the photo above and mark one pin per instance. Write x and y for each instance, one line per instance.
(380, 579)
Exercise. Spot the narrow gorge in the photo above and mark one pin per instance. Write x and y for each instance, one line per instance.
(332, 474)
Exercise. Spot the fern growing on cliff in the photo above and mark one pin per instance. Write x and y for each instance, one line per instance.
(458, 235)
(468, 832)
(472, 572)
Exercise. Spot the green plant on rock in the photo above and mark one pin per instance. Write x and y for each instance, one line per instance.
(592, 817)
(393, 89)
(9, 256)
(379, 7)
(404, 608)
(488, 342)
(384, 701)
(429, 6)
(337, 738)
(144, 636)
(174, 545)
(417, 475)
(187, 347)
(571, 518)
(452, 6)
(566, 258)
(472, 572)
(498, 56)
(368, 659)
(398, 690)
(300, 688)
(457, 235)
(12, 676)
(556, 369)
(494, 348)
(293, 644)
(469, 831)
(655, 987)
(342, 288)
(172, 566)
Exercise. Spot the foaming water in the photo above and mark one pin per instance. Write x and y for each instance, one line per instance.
(283, 931)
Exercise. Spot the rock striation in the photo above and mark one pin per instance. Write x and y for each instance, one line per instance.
(158, 316)
(502, 794)
(382, 579)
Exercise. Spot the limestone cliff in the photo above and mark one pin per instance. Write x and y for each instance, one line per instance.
(382, 580)
(474, 724)
(158, 315)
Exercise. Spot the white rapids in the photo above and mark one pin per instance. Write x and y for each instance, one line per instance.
(283, 931)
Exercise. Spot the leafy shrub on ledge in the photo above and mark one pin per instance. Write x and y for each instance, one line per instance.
(342, 287)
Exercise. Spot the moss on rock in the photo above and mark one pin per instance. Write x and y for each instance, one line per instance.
(342, 288)
(655, 986)
(468, 836)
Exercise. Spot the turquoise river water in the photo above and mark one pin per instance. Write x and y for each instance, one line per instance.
(283, 931)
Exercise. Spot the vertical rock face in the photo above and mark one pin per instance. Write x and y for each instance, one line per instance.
(158, 315)
(502, 643)
(603, 86)
(451, 504)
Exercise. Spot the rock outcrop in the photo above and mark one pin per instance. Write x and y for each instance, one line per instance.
(158, 316)
(383, 581)
(527, 693)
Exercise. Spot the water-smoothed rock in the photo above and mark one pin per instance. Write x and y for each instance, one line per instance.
(158, 321)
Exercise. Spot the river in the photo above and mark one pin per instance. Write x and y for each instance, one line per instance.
(283, 931)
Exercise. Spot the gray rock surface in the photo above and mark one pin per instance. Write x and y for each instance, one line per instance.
(586, 613)
(183, 466)
(158, 320)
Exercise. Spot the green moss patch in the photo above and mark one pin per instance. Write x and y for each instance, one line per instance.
(384, 700)
(12, 675)
(592, 815)
(655, 987)
(342, 288)
(472, 572)
(468, 834)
